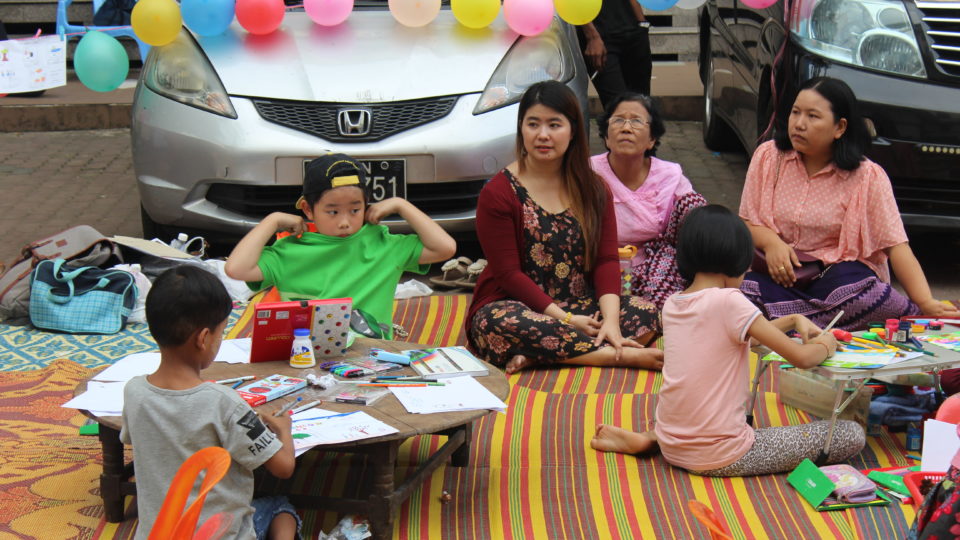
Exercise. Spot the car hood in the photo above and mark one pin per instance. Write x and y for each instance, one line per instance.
(368, 58)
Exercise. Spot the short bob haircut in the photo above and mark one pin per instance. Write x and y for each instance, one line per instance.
(714, 240)
(849, 149)
(182, 301)
(657, 127)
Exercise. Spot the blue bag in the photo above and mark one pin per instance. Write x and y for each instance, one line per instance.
(84, 300)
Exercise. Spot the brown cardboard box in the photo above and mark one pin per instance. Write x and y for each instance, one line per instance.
(814, 394)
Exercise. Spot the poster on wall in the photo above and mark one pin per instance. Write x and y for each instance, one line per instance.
(32, 64)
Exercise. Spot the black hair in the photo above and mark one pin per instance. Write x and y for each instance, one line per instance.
(849, 149)
(657, 126)
(713, 239)
(183, 300)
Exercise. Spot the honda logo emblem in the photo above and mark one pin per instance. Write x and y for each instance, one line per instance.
(354, 122)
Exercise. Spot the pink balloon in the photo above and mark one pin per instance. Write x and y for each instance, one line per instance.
(759, 4)
(328, 12)
(528, 17)
(260, 16)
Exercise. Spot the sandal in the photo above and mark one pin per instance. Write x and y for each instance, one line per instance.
(473, 273)
(453, 270)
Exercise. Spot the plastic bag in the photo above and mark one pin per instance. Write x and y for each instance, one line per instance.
(139, 313)
(412, 288)
(350, 528)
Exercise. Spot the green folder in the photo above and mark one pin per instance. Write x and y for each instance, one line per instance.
(893, 482)
(815, 488)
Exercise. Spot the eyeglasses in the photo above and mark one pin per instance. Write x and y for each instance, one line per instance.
(635, 123)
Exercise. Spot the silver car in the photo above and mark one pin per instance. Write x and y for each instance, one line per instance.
(223, 126)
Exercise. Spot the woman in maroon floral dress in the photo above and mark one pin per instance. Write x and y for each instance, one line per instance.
(551, 292)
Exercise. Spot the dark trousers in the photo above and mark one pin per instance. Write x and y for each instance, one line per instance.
(628, 67)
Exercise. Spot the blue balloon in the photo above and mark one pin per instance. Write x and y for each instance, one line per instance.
(657, 5)
(100, 61)
(207, 17)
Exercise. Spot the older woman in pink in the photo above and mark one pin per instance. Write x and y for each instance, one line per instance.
(811, 193)
(650, 196)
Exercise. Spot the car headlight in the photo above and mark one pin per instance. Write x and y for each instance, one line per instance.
(874, 34)
(181, 72)
(530, 60)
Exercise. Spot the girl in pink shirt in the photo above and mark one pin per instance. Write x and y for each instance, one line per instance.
(701, 409)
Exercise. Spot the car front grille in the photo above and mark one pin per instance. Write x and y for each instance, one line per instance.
(259, 201)
(941, 24)
(385, 119)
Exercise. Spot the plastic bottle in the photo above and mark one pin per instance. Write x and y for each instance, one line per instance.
(914, 437)
(180, 241)
(301, 353)
(903, 332)
(892, 325)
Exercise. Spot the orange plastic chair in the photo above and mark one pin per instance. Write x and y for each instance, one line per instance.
(175, 523)
(949, 410)
(703, 513)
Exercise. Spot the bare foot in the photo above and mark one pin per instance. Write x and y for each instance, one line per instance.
(645, 358)
(615, 439)
(517, 363)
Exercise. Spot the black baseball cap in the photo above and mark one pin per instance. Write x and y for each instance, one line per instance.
(329, 172)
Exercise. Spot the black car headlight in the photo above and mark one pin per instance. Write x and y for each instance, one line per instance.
(181, 72)
(874, 34)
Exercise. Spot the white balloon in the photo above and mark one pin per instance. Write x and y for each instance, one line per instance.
(689, 4)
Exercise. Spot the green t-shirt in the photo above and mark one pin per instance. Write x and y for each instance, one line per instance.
(365, 266)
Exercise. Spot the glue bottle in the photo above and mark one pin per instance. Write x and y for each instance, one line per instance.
(301, 354)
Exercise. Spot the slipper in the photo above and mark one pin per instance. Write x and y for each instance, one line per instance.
(473, 273)
(453, 270)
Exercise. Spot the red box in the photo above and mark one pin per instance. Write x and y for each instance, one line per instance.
(273, 326)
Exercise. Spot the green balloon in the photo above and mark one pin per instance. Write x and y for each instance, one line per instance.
(100, 62)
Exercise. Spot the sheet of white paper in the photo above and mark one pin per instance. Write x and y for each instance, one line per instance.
(337, 428)
(234, 351)
(100, 396)
(457, 394)
(130, 366)
(940, 444)
(32, 64)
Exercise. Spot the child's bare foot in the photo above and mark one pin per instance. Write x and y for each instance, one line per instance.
(615, 439)
(517, 363)
(645, 358)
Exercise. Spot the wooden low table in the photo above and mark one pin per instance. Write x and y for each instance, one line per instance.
(385, 497)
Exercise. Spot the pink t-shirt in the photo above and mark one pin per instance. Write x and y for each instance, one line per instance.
(643, 214)
(835, 215)
(701, 408)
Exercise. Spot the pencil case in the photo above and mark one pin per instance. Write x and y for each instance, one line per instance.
(852, 486)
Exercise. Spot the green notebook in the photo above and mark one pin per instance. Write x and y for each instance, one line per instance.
(816, 488)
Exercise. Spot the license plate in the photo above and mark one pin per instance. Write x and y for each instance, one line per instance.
(386, 178)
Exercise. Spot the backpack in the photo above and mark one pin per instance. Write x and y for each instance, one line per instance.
(80, 246)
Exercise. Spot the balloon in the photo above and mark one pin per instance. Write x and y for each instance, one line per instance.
(260, 16)
(207, 17)
(690, 4)
(414, 13)
(100, 62)
(759, 4)
(328, 12)
(156, 22)
(528, 17)
(475, 13)
(577, 12)
(657, 5)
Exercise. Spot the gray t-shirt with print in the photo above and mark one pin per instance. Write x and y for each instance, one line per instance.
(166, 427)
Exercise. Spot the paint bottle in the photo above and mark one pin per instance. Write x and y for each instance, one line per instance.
(903, 332)
(891, 327)
(301, 353)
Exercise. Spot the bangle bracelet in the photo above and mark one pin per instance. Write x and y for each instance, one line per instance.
(566, 319)
(825, 347)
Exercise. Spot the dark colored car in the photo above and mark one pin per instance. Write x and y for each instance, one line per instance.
(901, 58)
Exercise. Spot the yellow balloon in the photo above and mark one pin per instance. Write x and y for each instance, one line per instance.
(577, 12)
(156, 22)
(475, 13)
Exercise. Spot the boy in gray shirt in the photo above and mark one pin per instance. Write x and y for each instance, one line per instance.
(172, 413)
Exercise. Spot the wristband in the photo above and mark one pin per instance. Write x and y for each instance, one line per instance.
(566, 319)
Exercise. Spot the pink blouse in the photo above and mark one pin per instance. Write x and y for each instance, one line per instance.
(643, 214)
(835, 215)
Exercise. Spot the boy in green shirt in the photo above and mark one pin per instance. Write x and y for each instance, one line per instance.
(350, 254)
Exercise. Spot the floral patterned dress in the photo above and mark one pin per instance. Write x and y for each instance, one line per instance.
(939, 517)
(555, 262)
